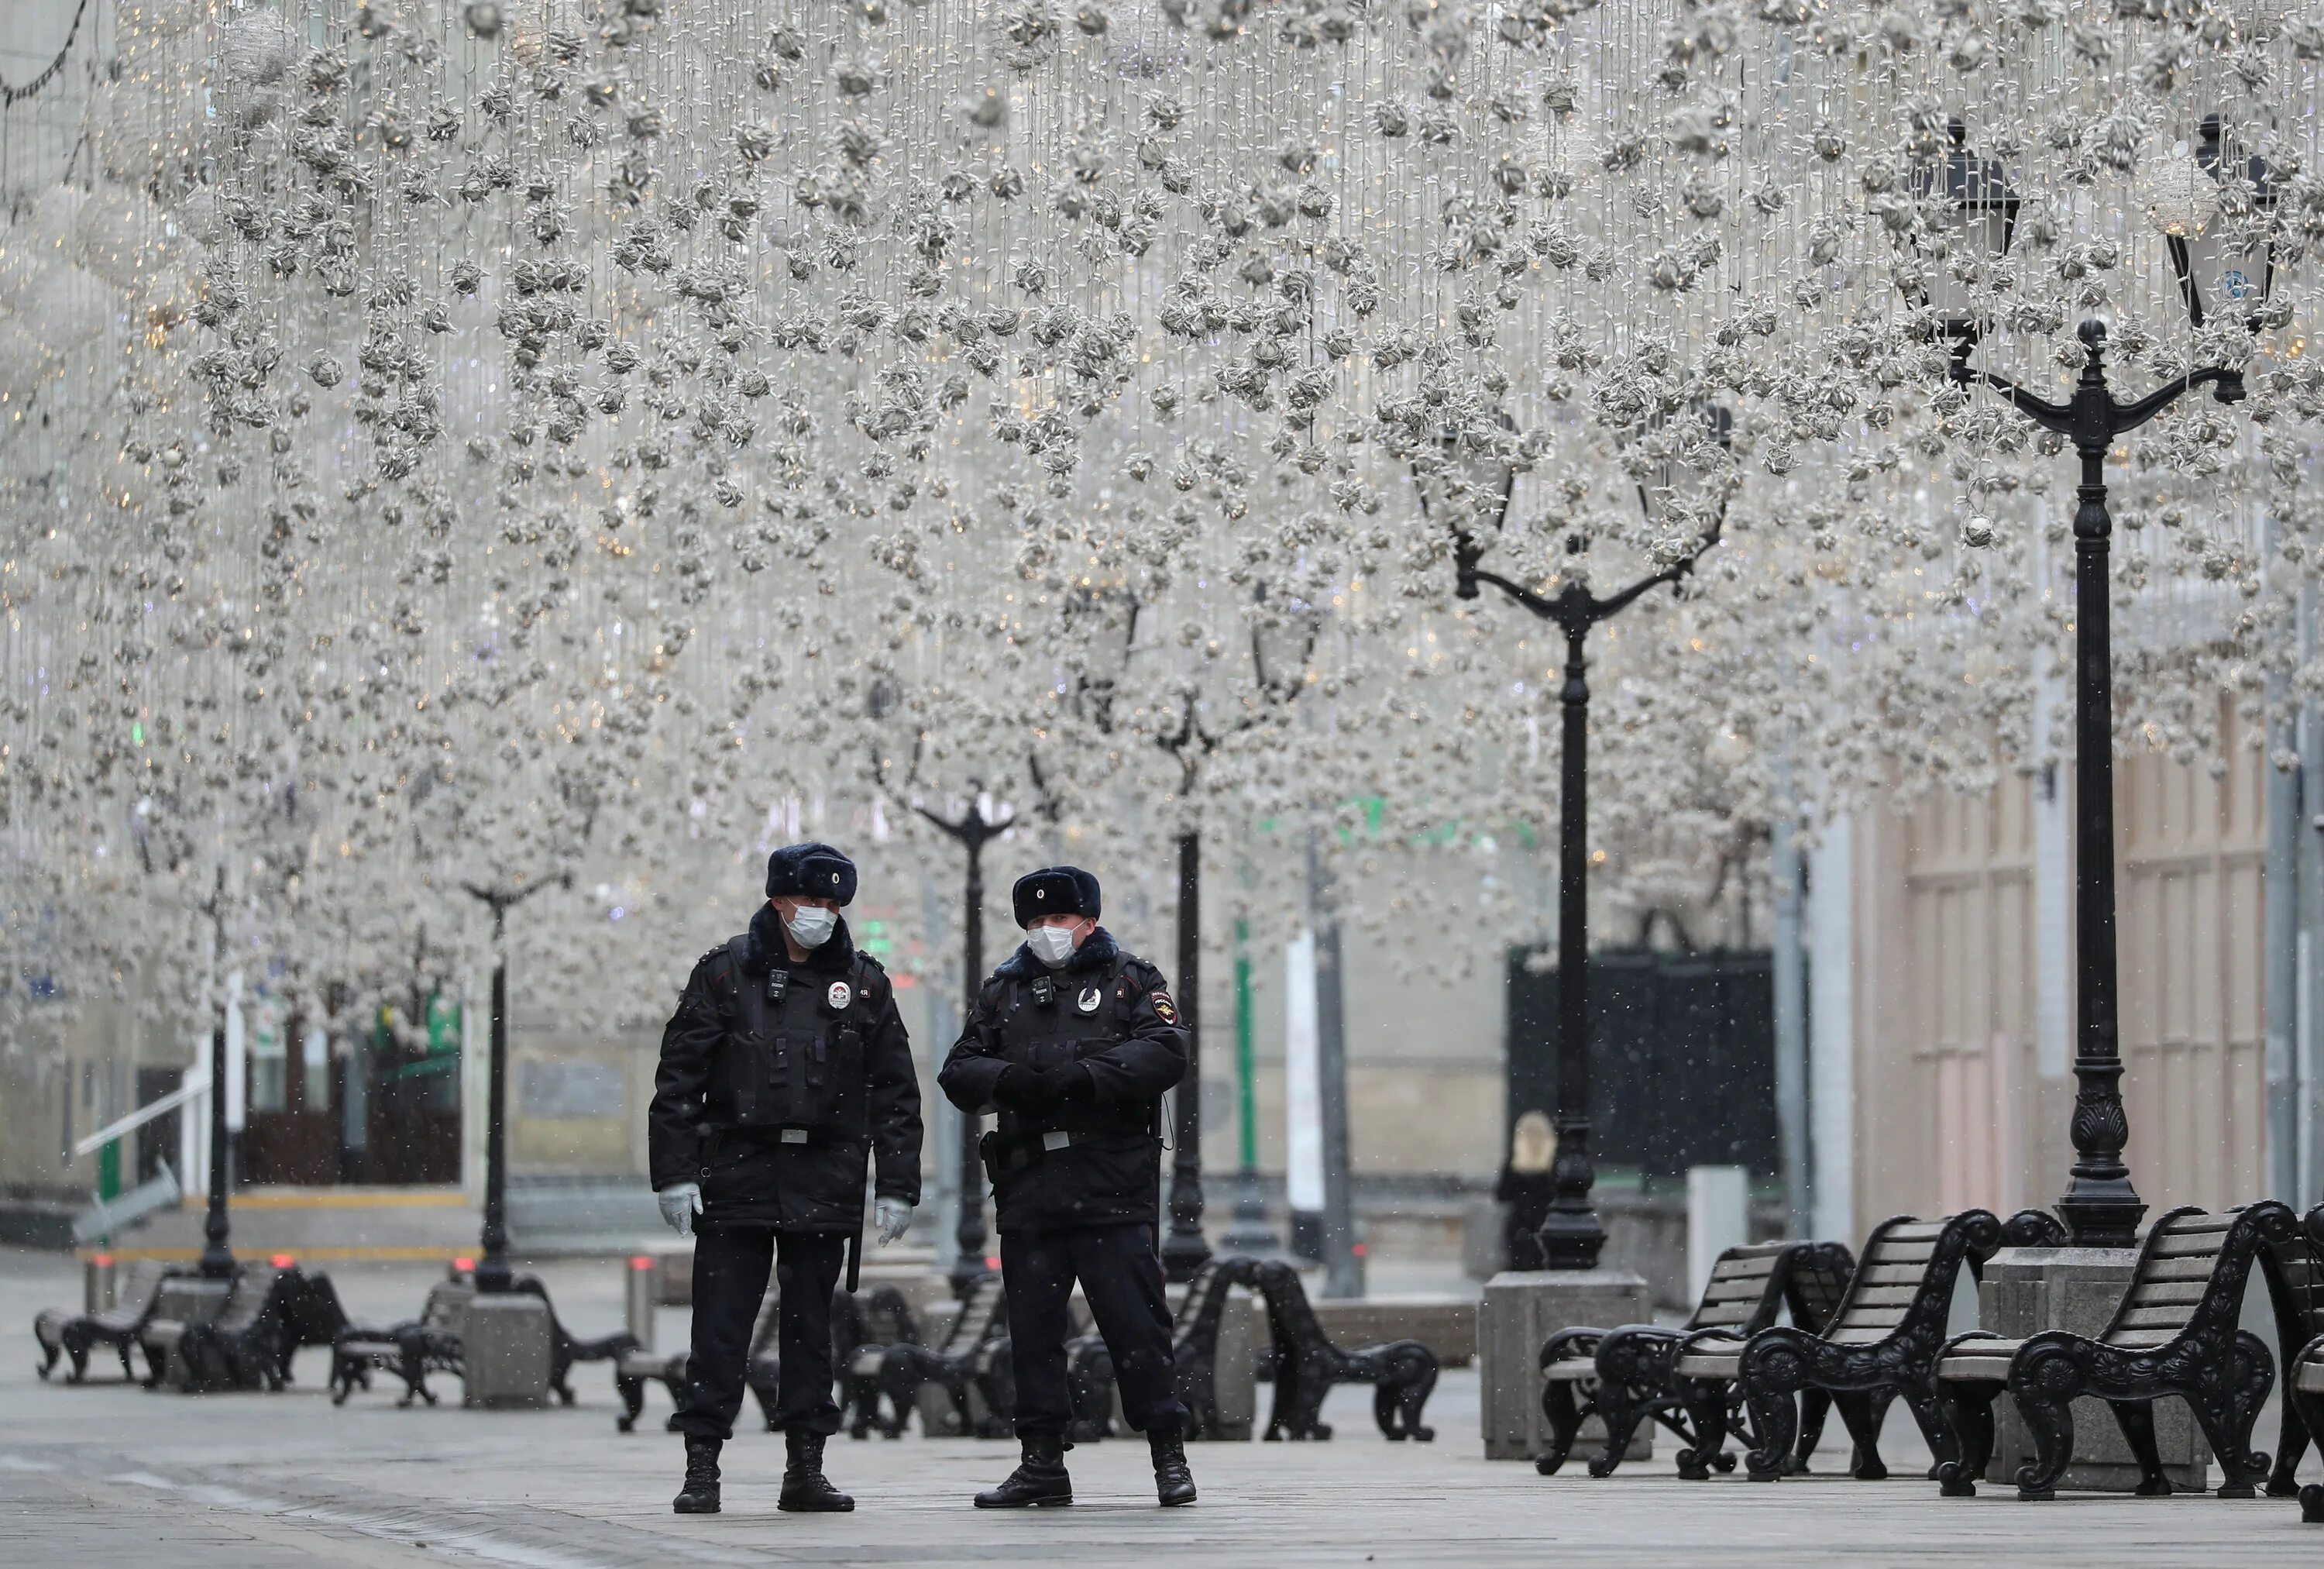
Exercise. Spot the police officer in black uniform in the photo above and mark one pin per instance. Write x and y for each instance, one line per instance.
(784, 1067)
(1074, 1040)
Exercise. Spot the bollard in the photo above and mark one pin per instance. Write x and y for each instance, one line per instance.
(97, 1283)
(638, 1299)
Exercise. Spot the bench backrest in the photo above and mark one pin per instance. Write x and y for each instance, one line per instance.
(252, 1293)
(762, 1328)
(2295, 1283)
(1745, 1288)
(1904, 1279)
(979, 1317)
(2195, 1266)
(1207, 1281)
(139, 1287)
(314, 1316)
(888, 1318)
(1817, 1283)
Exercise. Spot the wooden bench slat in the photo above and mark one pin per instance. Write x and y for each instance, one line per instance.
(1876, 1295)
(1723, 1314)
(2173, 1317)
(2176, 1270)
(1979, 1359)
(1914, 1231)
(2308, 1377)
(1709, 1364)
(1902, 1253)
(1890, 1274)
(1566, 1369)
(2199, 1225)
(2156, 1293)
(2198, 1245)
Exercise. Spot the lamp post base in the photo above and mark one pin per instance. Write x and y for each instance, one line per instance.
(967, 1269)
(1250, 1233)
(1183, 1252)
(1572, 1239)
(2101, 1212)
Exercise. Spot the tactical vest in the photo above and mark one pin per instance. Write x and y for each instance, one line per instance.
(793, 1056)
(1050, 1019)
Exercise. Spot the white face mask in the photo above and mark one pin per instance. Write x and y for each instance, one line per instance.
(812, 926)
(1052, 944)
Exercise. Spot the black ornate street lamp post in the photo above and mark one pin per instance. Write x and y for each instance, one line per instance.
(494, 1272)
(1572, 1237)
(2101, 1207)
(1186, 1250)
(217, 1259)
(969, 830)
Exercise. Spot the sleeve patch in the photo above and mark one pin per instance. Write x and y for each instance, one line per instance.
(1163, 1008)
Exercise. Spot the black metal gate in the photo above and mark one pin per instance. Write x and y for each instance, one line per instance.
(1682, 1056)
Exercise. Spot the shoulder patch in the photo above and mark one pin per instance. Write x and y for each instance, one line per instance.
(1163, 1008)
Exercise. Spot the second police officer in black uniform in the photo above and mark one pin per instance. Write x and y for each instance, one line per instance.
(784, 1067)
(1075, 1041)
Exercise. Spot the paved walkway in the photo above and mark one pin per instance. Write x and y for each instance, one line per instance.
(108, 1475)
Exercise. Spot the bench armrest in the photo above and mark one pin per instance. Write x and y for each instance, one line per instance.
(1639, 1355)
(1581, 1340)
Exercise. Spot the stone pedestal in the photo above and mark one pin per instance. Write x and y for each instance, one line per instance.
(190, 1299)
(2026, 1290)
(506, 1351)
(1242, 1330)
(1521, 1309)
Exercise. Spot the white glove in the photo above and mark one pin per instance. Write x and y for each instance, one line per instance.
(680, 1202)
(894, 1217)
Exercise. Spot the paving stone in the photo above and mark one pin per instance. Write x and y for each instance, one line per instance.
(110, 1475)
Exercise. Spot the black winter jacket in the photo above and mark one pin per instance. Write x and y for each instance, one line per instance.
(1131, 1043)
(698, 1130)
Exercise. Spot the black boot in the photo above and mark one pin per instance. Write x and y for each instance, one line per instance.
(806, 1490)
(699, 1496)
(1038, 1482)
(1173, 1479)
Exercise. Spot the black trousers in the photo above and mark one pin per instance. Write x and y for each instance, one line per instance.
(1122, 1279)
(729, 1280)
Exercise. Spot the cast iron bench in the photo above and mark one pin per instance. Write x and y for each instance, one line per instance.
(239, 1349)
(2294, 1269)
(1882, 1342)
(566, 1348)
(410, 1349)
(1627, 1375)
(967, 1357)
(312, 1315)
(1306, 1364)
(633, 1369)
(1194, 1350)
(64, 1333)
(862, 1334)
(2175, 1333)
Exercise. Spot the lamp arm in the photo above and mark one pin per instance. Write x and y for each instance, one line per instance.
(1545, 608)
(1286, 694)
(2050, 416)
(2129, 417)
(1599, 609)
